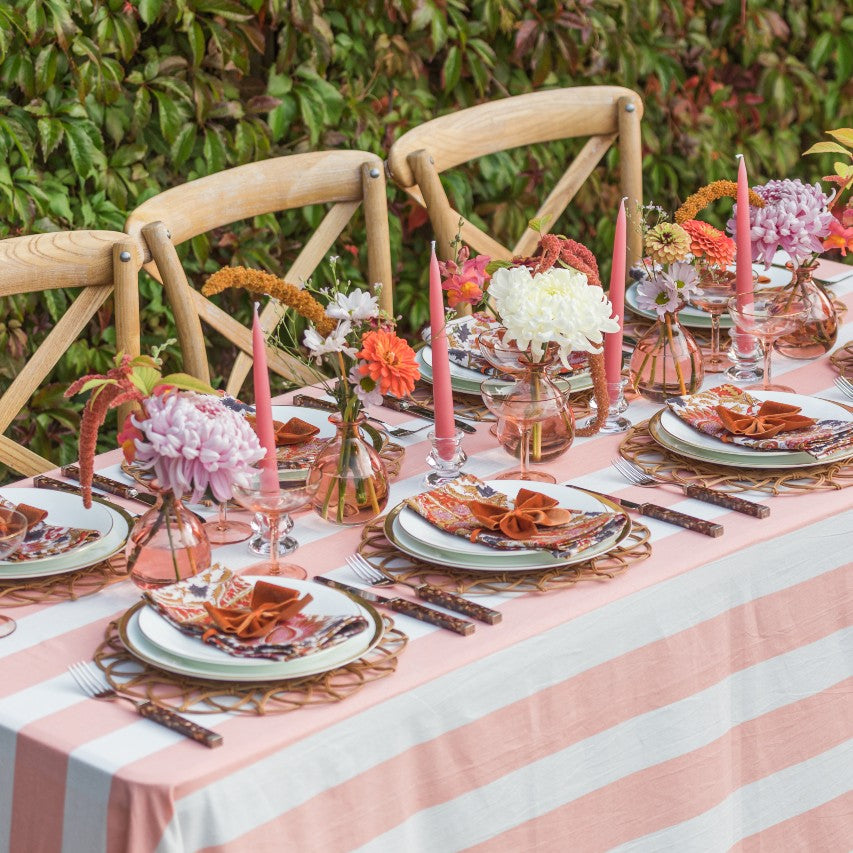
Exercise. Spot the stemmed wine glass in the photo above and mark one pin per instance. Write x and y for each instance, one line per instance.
(716, 290)
(770, 314)
(535, 423)
(223, 530)
(276, 501)
(13, 530)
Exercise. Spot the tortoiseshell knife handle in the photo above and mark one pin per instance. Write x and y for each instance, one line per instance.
(177, 723)
(428, 592)
(427, 614)
(711, 496)
(690, 522)
(314, 403)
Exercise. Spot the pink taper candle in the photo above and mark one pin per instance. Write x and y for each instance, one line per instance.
(263, 406)
(743, 256)
(613, 340)
(441, 392)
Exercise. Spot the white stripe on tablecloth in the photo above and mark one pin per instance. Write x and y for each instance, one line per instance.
(758, 805)
(398, 724)
(629, 747)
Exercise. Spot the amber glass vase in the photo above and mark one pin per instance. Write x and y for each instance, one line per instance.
(347, 480)
(817, 333)
(667, 361)
(167, 544)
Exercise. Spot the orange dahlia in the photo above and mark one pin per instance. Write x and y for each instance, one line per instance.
(389, 361)
(709, 243)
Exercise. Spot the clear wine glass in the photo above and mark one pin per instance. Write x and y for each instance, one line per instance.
(276, 501)
(13, 530)
(769, 315)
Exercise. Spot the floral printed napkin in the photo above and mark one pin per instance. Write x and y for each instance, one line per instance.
(47, 540)
(716, 412)
(449, 509)
(187, 605)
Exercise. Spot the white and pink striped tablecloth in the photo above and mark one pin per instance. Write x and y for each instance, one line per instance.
(701, 701)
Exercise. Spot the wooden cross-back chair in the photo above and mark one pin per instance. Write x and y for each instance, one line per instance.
(97, 262)
(606, 114)
(344, 179)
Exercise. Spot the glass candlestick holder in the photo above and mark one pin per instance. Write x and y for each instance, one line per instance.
(615, 421)
(746, 355)
(445, 458)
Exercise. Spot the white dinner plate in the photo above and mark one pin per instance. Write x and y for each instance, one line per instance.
(695, 318)
(414, 535)
(311, 416)
(61, 507)
(71, 513)
(468, 381)
(151, 638)
(811, 407)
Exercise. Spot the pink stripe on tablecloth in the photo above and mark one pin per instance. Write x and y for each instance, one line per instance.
(468, 758)
(827, 828)
(679, 789)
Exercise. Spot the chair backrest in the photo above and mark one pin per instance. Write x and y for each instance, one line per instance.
(606, 114)
(343, 179)
(97, 262)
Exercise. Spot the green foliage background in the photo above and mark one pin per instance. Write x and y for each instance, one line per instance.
(107, 102)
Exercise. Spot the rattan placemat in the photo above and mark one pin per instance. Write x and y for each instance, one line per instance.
(842, 360)
(138, 680)
(379, 552)
(639, 447)
(65, 587)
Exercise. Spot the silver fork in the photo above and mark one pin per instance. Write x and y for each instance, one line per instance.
(845, 386)
(638, 477)
(91, 683)
(397, 432)
(426, 592)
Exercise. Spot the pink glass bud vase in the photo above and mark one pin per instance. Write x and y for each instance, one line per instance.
(167, 544)
(667, 361)
(817, 332)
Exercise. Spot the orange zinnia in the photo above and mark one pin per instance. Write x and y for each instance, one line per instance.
(708, 242)
(390, 363)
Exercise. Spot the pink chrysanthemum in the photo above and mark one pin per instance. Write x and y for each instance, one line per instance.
(794, 218)
(193, 442)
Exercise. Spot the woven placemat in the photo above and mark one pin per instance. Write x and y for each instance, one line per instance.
(842, 360)
(639, 447)
(379, 552)
(139, 680)
(65, 587)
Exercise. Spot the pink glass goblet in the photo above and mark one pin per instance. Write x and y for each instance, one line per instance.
(13, 530)
(225, 531)
(769, 315)
(717, 289)
(276, 503)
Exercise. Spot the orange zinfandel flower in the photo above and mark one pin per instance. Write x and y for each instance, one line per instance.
(709, 242)
(389, 361)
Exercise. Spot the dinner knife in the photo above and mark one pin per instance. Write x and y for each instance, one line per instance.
(733, 502)
(404, 606)
(663, 513)
(114, 487)
(420, 411)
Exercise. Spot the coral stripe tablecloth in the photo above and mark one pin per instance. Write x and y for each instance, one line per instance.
(701, 701)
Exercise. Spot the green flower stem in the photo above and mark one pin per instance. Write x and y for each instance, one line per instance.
(678, 371)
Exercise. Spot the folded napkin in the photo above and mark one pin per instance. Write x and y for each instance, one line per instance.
(252, 620)
(46, 540)
(295, 431)
(468, 507)
(732, 415)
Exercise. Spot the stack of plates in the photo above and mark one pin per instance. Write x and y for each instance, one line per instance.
(67, 510)
(414, 535)
(467, 381)
(674, 434)
(695, 318)
(152, 639)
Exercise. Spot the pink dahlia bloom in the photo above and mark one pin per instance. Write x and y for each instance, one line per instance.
(795, 218)
(193, 442)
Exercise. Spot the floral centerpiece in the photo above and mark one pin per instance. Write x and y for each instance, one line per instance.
(550, 307)
(358, 358)
(796, 218)
(187, 440)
